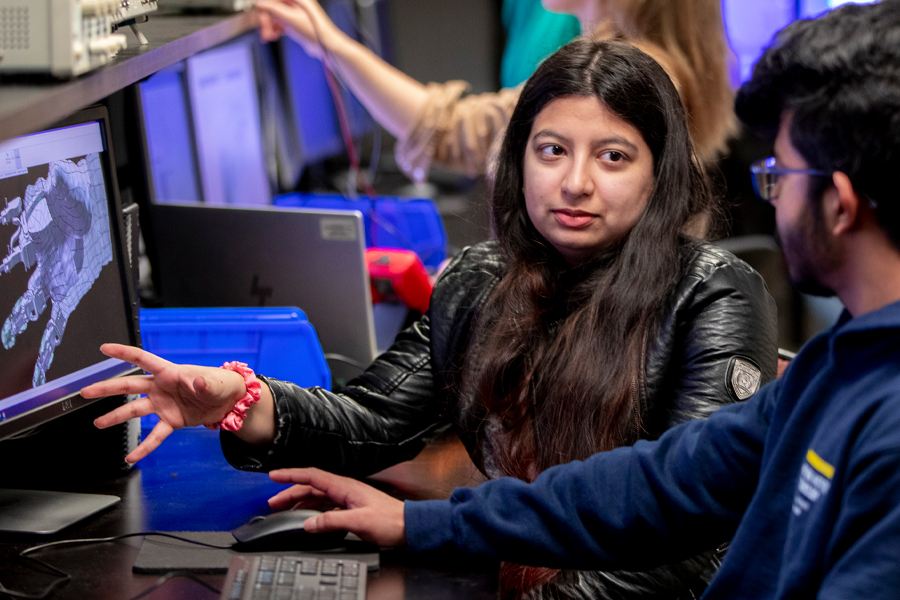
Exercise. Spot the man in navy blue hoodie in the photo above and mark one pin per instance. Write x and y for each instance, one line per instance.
(804, 477)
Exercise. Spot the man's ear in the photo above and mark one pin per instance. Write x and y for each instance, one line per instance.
(845, 204)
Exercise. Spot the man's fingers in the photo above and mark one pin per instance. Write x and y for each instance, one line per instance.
(132, 384)
(286, 499)
(131, 410)
(140, 358)
(338, 520)
(335, 487)
(159, 433)
(384, 527)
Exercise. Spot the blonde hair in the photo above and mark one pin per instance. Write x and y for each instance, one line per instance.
(687, 37)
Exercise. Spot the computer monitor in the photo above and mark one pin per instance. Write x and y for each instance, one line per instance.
(242, 256)
(171, 140)
(343, 13)
(311, 104)
(65, 284)
(813, 8)
(225, 113)
(164, 116)
(310, 98)
(751, 25)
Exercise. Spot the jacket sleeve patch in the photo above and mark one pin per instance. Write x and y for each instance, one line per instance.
(743, 377)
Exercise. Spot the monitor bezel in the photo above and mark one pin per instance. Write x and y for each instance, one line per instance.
(69, 399)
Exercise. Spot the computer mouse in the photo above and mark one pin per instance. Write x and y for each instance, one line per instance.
(284, 531)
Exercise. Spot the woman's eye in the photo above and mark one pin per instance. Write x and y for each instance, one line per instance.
(552, 150)
(614, 156)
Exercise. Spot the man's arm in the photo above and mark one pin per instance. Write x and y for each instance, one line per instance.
(629, 508)
(863, 551)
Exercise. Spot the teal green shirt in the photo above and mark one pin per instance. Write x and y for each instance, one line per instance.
(532, 34)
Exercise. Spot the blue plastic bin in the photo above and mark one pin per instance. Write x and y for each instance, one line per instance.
(278, 341)
(390, 221)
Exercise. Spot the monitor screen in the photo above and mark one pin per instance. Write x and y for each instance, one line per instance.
(310, 97)
(311, 103)
(343, 13)
(172, 163)
(225, 112)
(812, 8)
(751, 25)
(64, 285)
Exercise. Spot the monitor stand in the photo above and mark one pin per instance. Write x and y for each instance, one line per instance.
(33, 511)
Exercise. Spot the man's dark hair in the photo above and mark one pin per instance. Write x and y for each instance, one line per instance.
(839, 75)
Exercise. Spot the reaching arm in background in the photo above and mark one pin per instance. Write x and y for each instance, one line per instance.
(393, 98)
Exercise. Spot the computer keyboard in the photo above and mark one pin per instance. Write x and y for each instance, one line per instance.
(276, 577)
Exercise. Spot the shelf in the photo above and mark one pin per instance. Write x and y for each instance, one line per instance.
(30, 104)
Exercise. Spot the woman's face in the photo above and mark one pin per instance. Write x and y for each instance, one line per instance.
(588, 175)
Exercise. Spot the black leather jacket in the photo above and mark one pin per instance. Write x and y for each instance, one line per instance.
(721, 311)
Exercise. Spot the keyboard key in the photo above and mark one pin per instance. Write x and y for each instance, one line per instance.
(327, 594)
(264, 577)
(267, 563)
(262, 592)
(283, 594)
(288, 565)
(236, 590)
(310, 566)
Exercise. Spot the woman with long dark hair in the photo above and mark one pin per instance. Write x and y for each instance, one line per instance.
(591, 321)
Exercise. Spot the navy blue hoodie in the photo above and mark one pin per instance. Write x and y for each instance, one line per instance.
(804, 478)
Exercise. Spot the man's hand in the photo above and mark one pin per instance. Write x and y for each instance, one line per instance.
(369, 513)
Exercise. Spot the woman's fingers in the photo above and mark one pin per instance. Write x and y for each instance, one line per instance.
(140, 358)
(269, 30)
(133, 384)
(282, 12)
(159, 433)
(132, 410)
(302, 21)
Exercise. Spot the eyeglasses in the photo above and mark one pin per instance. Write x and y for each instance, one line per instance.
(766, 176)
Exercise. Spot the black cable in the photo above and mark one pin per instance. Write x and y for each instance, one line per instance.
(65, 577)
(340, 108)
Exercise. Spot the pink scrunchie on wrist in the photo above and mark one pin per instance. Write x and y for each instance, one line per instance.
(234, 420)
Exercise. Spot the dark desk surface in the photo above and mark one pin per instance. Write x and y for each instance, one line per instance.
(186, 485)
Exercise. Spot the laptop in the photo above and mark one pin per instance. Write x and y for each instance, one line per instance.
(266, 256)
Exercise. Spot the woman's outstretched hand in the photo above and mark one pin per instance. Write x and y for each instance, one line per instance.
(369, 513)
(182, 395)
